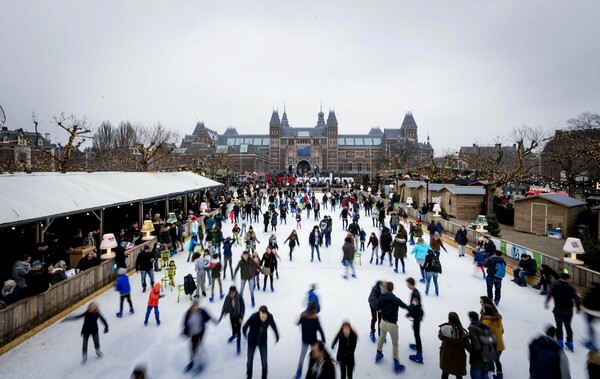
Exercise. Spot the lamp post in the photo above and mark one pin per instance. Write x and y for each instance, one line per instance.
(574, 247)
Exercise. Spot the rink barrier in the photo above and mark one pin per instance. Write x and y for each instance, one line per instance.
(30, 315)
(27, 313)
(581, 277)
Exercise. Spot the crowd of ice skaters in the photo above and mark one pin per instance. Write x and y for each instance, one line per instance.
(210, 251)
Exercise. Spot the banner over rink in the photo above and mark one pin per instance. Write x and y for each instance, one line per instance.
(325, 180)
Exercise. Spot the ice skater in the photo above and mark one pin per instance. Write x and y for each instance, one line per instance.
(124, 288)
(153, 304)
(347, 338)
(194, 326)
(90, 328)
(258, 324)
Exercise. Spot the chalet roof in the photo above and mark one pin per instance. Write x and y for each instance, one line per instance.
(557, 198)
(439, 186)
(466, 190)
(413, 184)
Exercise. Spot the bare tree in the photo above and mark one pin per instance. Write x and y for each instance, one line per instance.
(78, 132)
(152, 145)
(443, 169)
(103, 147)
(573, 154)
(499, 165)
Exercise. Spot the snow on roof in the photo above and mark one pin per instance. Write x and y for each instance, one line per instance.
(466, 190)
(439, 186)
(558, 199)
(35, 196)
(410, 184)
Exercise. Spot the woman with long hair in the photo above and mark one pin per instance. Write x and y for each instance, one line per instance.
(493, 319)
(455, 341)
(347, 338)
(399, 247)
(293, 242)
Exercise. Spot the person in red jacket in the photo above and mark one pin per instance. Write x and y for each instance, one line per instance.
(153, 303)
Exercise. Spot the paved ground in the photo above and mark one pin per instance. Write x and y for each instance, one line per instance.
(542, 244)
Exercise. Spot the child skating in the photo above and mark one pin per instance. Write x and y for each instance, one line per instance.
(153, 304)
(122, 285)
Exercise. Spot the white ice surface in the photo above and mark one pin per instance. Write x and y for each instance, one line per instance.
(56, 351)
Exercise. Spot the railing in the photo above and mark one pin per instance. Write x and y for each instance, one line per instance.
(30, 312)
(27, 313)
(582, 276)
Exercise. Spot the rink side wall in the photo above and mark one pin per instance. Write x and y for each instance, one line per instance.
(582, 277)
(32, 311)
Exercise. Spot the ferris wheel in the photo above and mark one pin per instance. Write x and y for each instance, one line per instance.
(2, 116)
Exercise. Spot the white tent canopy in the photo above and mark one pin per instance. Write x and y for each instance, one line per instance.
(29, 197)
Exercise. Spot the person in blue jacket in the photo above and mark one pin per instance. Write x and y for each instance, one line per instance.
(312, 296)
(227, 255)
(122, 285)
(420, 251)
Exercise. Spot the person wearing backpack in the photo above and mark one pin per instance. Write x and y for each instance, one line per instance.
(493, 319)
(433, 268)
(496, 270)
(483, 348)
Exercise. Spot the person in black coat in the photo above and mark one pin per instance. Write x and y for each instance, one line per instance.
(564, 295)
(462, 240)
(591, 307)
(389, 305)
(415, 311)
(10, 292)
(120, 257)
(547, 276)
(479, 367)
(345, 354)
(320, 365)
(90, 328)
(385, 243)
(90, 260)
(38, 280)
(194, 325)
(309, 322)
(144, 263)
(547, 360)
(374, 296)
(527, 267)
(236, 307)
(258, 324)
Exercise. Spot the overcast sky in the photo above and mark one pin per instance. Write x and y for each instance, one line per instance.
(469, 70)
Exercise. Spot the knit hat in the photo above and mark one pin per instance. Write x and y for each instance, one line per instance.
(121, 271)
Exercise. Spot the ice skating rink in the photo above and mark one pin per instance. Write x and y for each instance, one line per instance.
(56, 351)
